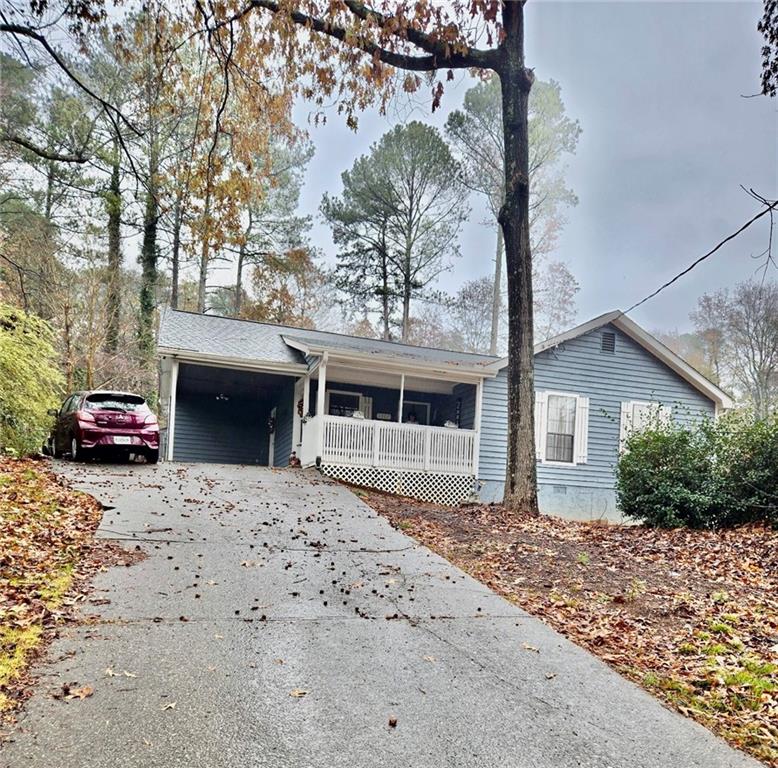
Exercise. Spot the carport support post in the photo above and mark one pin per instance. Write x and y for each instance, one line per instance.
(171, 415)
(320, 392)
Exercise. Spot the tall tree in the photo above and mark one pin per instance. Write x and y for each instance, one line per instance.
(407, 196)
(745, 323)
(476, 131)
(272, 225)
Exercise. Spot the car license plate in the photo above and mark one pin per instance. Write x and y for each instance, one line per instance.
(122, 440)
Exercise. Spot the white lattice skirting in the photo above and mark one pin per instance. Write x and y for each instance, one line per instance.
(436, 487)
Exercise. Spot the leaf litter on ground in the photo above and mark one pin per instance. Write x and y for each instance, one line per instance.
(691, 616)
(47, 553)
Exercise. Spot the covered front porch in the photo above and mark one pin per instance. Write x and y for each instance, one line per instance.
(401, 431)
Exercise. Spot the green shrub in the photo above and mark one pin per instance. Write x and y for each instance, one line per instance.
(707, 475)
(30, 382)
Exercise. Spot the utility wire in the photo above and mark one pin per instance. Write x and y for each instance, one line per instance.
(771, 207)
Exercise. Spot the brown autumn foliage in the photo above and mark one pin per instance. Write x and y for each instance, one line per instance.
(47, 549)
(692, 616)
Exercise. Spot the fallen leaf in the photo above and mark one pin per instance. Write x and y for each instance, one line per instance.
(171, 705)
(298, 693)
(80, 693)
(528, 647)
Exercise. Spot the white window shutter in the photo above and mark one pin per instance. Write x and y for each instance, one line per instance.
(540, 425)
(581, 439)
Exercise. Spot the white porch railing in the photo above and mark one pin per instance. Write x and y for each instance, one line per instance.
(389, 445)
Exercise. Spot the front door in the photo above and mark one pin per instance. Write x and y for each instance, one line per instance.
(271, 428)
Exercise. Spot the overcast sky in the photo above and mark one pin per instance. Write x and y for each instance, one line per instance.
(667, 141)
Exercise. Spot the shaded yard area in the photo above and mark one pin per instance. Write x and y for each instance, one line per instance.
(47, 551)
(691, 616)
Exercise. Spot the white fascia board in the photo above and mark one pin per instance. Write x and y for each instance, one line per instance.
(412, 367)
(295, 344)
(218, 361)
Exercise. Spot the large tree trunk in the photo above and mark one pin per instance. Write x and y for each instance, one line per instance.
(202, 282)
(239, 280)
(175, 259)
(406, 326)
(148, 261)
(497, 295)
(113, 204)
(516, 81)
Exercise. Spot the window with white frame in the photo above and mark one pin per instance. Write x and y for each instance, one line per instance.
(637, 415)
(561, 428)
(339, 402)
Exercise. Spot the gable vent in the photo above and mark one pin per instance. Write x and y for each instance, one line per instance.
(608, 343)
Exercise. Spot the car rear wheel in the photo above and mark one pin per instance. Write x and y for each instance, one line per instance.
(152, 457)
(77, 453)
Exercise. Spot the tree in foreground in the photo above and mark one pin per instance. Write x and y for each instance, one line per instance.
(397, 220)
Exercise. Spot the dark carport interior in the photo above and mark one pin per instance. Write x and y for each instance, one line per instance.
(223, 415)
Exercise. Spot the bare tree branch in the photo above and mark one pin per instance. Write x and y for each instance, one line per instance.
(46, 154)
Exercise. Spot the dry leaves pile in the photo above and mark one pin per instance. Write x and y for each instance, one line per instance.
(46, 530)
(691, 616)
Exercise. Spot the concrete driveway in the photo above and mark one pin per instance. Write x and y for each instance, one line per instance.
(278, 621)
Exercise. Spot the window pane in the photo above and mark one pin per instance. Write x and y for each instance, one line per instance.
(342, 404)
(560, 428)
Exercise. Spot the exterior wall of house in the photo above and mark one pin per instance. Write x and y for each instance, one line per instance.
(223, 432)
(578, 366)
(285, 406)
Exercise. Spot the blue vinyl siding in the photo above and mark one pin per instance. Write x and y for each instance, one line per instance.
(284, 425)
(579, 367)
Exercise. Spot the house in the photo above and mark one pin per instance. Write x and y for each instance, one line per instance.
(418, 421)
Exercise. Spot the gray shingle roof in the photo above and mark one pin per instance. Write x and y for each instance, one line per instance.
(224, 337)
(264, 342)
(390, 349)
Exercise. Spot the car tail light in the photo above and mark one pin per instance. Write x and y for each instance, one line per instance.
(150, 419)
(85, 416)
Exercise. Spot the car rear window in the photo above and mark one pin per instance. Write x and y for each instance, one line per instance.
(111, 401)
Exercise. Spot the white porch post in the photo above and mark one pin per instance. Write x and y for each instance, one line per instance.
(306, 393)
(402, 395)
(171, 416)
(479, 397)
(320, 402)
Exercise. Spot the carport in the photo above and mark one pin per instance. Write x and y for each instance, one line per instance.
(230, 416)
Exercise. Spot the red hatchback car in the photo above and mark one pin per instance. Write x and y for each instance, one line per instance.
(109, 423)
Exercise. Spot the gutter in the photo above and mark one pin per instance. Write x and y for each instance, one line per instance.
(219, 361)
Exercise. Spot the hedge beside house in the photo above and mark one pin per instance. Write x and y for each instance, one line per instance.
(710, 475)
